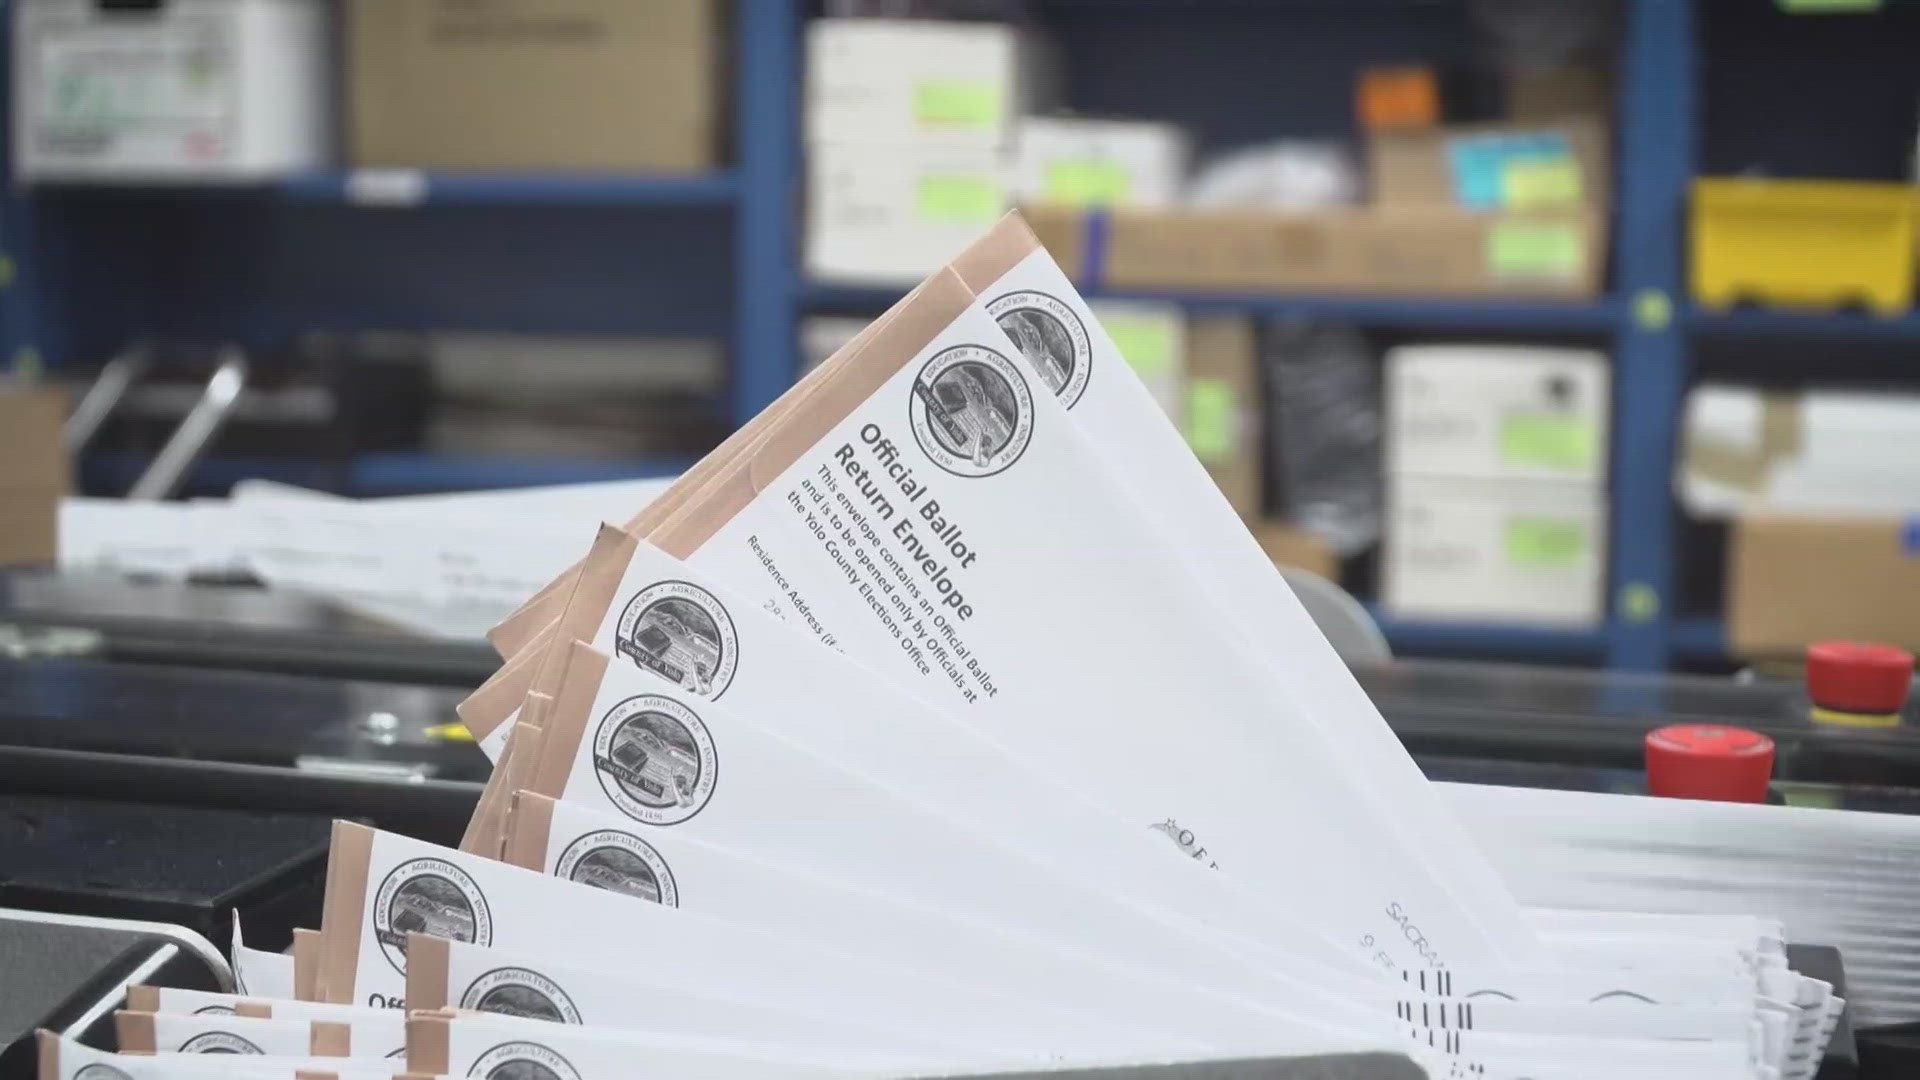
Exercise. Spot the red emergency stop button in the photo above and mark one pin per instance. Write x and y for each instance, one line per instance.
(1858, 676)
(1709, 761)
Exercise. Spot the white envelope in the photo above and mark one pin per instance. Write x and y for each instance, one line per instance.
(380, 887)
(379, 1024)
(212, 1033)
(1037, 304)
(452, 974)
(568, 840)
(870, 725)
(493, 1046)
(630, 744)
(67, 1059)
(1020, 580)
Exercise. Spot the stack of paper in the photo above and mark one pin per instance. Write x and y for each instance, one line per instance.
(447, 566)
(946, 720)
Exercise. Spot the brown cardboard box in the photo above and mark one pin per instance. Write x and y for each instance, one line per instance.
(1288, 545)
(1413, 252)
(1222, 415)
(1427, 167)
(33, 473)
(1794, 580)
(609, 85)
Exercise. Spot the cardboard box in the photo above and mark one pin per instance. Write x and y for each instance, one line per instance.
(1812, 452)
(187, 90)
(1792, 580)
(1398, 96)
(1080, 163)
(33, 473)
(1492, 167)
(1497, 412)
(921, 81)
(1495, 550)
(1288, 545)
(1432, 252)
(605, 85)
(1152, 338)
(1221, 418)
(883, 215)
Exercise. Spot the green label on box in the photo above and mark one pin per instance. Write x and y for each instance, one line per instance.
(1086, 183)
(1535, 182)
(959, 197)
(1549, 440)
(1213, 419)
(1535, 249)
(1540, 541)
(1146, 342)
(956, 103)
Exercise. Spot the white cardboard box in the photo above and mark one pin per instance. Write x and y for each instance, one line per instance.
(884, 215)
(909, 80)
(1813, 452)
(1523, 550)
(1069, 162)
(1497, 412)
(192, 90)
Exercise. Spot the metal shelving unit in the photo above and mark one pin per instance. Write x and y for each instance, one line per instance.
(1656, 119)
(754, 201)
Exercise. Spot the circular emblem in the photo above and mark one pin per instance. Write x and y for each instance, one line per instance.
(1051, 337)
(97, 1071)
(619, 862)
(521, 992)
(522, 1061)
(654, 759)
(432, 897)
(213, 1010)
(218, 1042)
(681, 633)
(971, 410)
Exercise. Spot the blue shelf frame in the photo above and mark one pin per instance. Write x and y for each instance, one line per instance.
(1657, 114)
(1584, 645)
(1827, 326)
(1599, 316)
(406, 187)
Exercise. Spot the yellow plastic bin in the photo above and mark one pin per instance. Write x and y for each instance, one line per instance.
(1815, 243)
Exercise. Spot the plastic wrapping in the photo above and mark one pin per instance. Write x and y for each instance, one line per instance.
(1324, 442)
(1286, 175)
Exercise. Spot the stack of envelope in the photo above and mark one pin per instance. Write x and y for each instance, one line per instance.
(946, 721)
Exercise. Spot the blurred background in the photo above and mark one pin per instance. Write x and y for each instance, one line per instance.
(1570, 332)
